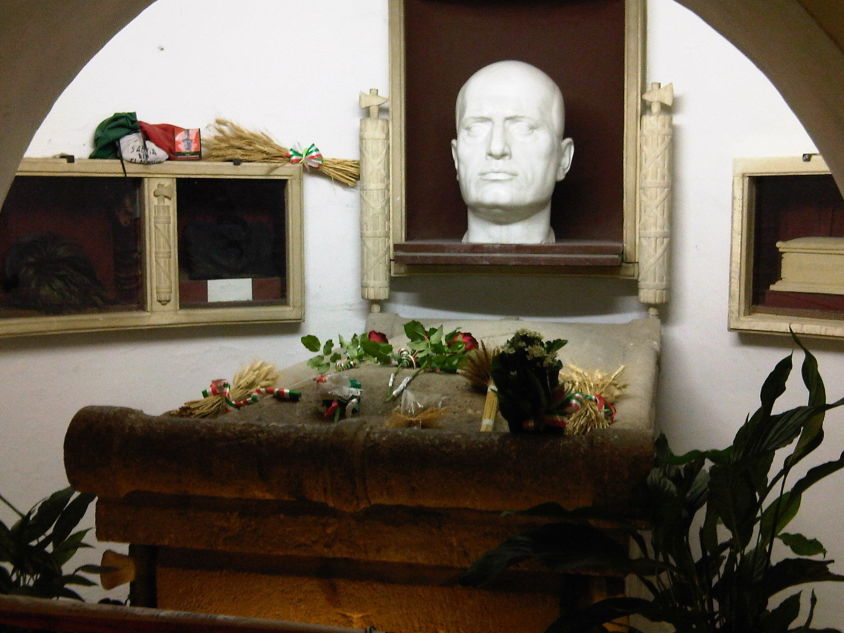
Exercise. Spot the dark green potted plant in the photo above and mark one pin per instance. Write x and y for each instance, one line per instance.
(36, 548)
(713, 516)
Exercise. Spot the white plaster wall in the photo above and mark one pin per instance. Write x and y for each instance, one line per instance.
(294, 70)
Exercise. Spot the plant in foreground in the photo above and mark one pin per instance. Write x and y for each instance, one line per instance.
(713, 517)
(34, 550)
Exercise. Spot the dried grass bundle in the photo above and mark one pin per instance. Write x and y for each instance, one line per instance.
(477, 369)
(591, 415)
(426, 419)
(233, 142)
(247, 380)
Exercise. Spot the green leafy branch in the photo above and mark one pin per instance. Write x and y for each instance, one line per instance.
(348, 353)
(427, 349)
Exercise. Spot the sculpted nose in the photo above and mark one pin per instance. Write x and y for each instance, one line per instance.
(498, 146)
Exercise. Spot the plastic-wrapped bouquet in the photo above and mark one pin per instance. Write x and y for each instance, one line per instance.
(526, 372)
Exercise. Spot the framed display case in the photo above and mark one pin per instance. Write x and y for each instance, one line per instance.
(787, 263)
(594, 51)
(86, 246)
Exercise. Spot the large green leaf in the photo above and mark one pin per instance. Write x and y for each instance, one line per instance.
(791, 572)
(67, 548)
(77, 579)
(36, 561)
(787, 426)
(585, 514)
(733, 498)
(6, 583)
(311, 342)
(560, 546)
(778, 620)
(94, 569)
(7, 543)
(801, 545)
(64, 592)
(47, 512)
(779, 514)
(601, 612)
(772, 388)
(379, 351)
(812, 433)
(709, 531)
(70, 517)
(817, 473)
(415, 331)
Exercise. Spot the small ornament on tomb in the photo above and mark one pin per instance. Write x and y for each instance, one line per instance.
(340, 396)
(418, 411)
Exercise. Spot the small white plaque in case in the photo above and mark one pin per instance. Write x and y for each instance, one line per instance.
(229, 290)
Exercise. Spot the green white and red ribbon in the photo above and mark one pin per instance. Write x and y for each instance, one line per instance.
(577, 400)
(406, 358)
(221, 387)
(310, 157)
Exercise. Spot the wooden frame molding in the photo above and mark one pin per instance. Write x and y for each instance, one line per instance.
(409, 254)
(160, 303)
(746, 314)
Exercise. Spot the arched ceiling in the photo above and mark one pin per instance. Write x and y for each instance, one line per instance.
(798, 44)
(43, 46)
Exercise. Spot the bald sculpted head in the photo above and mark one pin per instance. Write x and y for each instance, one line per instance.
(510, 152)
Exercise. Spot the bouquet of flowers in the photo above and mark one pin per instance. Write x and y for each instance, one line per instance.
(526, 373)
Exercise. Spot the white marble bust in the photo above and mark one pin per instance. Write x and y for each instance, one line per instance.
(510, 152)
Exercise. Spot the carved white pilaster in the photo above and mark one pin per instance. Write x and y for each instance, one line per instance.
(375, 200)
(163, 249)
(655, 196)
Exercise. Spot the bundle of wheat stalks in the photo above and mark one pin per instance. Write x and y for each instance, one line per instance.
(247, 380)
(591, 415)
(233, 142)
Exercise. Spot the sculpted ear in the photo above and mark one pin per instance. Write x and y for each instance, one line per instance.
(454, 156)
(566, 156)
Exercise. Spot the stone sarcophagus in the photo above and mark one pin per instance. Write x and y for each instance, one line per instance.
(274, 511)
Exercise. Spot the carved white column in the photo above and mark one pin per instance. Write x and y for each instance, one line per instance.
(163, 251)
(375, 200)
(655, 196)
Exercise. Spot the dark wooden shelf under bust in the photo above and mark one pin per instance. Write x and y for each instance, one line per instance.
(561, 253)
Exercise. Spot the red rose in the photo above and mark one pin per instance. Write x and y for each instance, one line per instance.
(469, 341)
(378, 337)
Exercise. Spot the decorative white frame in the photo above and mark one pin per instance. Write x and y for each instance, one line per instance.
(742, 315)
(634, 59)
(160, 244)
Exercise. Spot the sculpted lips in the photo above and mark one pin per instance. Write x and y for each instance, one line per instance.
(497, 174)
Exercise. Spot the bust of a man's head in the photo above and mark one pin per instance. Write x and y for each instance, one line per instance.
(510, 152)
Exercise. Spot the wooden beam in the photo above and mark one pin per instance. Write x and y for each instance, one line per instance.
(62, 616)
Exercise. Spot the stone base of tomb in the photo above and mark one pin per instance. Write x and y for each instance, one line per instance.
(274, 512)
